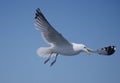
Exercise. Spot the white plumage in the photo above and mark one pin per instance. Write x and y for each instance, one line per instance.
(58, 44)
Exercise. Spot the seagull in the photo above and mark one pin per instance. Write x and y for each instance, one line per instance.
(58, 44)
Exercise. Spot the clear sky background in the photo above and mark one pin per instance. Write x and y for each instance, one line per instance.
(95, 23)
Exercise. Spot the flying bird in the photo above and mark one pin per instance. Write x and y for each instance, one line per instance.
(59, 45)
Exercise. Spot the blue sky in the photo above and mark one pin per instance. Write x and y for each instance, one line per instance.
(95, 23)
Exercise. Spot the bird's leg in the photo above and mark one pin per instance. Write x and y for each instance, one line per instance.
(54, 60)
(48, 58)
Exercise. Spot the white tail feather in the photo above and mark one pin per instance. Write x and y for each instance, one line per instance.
(44, 52)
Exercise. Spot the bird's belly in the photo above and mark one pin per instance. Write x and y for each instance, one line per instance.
(67, 52)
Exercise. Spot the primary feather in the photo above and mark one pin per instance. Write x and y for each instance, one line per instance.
(50, 35)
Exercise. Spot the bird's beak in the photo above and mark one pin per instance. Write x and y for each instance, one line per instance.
(87, 51)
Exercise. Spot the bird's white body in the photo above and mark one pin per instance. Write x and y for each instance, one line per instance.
(71, 50)
(74, 49)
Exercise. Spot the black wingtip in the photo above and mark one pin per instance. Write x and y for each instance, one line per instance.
(38, 11)
(109, 49)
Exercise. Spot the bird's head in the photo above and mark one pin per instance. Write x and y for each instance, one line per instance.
(85, 49)
(82, 48)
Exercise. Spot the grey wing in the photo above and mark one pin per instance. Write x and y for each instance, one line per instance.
(109, 50)
(50, 35)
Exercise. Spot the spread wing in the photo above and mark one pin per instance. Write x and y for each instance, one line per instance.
(50, 35)
(109, 50)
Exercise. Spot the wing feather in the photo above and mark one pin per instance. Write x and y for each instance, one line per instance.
(109, 50)
(50, 35)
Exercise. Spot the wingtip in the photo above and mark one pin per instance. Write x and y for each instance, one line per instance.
(107, 51)
(38, 11)
(110, 50)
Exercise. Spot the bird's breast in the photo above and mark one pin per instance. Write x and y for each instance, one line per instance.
(66, 51)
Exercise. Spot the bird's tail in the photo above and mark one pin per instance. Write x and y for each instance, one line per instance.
(44, 51)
